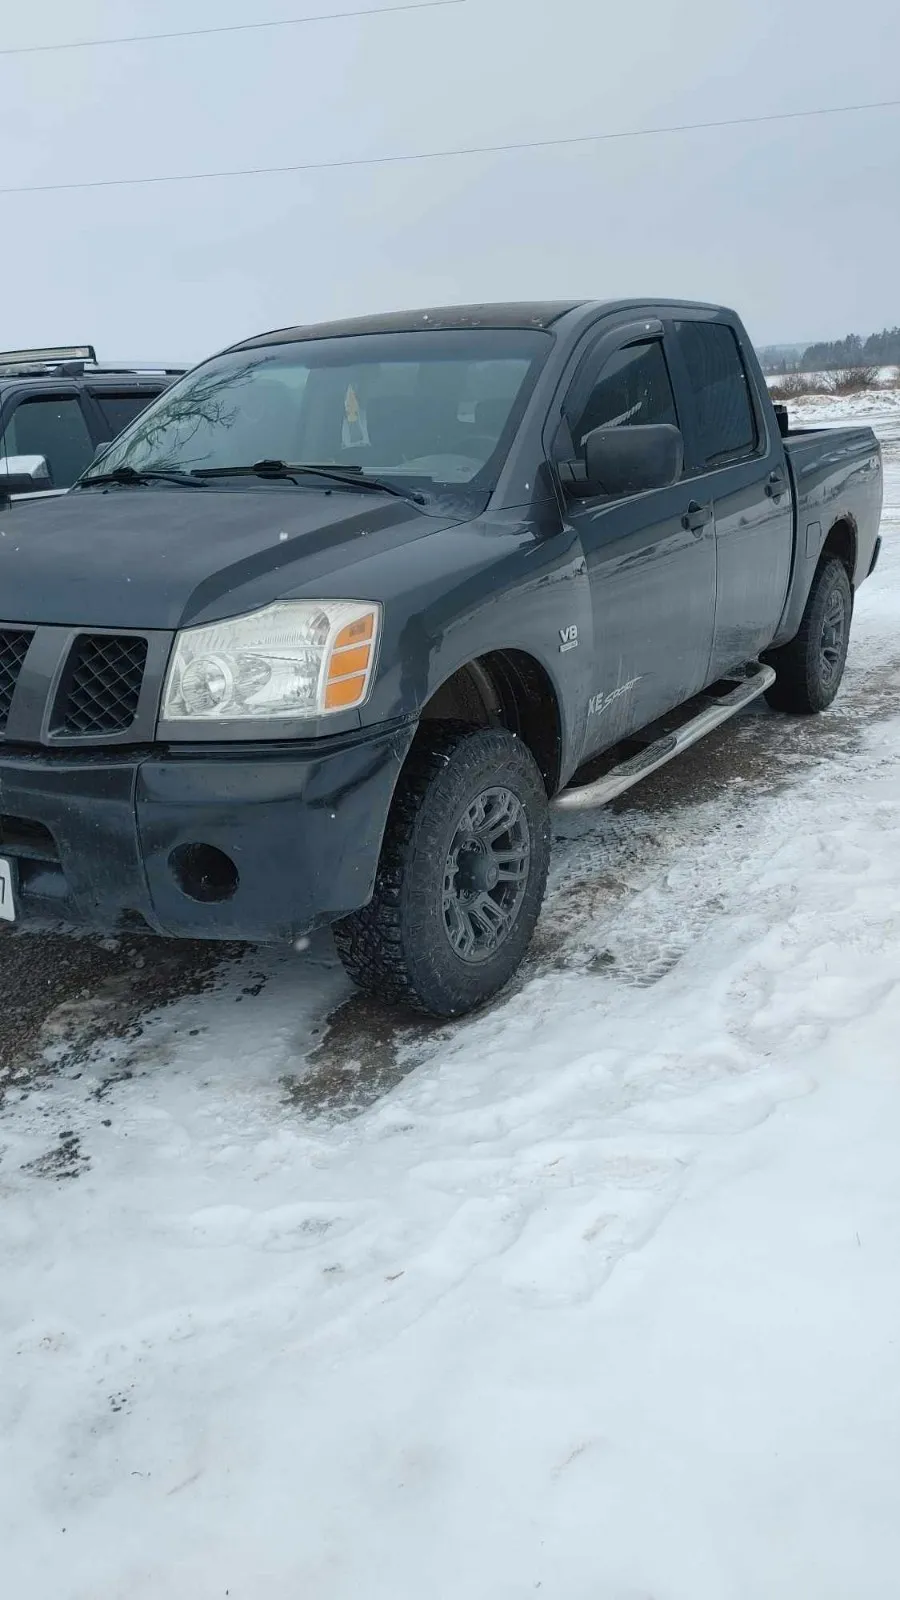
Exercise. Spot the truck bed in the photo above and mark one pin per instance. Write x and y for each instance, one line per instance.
(837, 483)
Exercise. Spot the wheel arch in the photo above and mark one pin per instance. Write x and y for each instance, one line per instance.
(841, 541)
(509, 689)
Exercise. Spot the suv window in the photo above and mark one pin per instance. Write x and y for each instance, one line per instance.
(55, 429)
(120, 409)
(632, 389)
(716, 373)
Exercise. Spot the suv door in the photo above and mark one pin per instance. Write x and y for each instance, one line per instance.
(51, 424)
(650, 556)
(734, 463)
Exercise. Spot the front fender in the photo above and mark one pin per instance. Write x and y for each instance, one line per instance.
(499, 585)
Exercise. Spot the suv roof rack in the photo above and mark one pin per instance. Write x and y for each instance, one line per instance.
(73, 361)
(137, 369)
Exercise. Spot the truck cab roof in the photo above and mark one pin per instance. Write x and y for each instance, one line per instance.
(540, 314)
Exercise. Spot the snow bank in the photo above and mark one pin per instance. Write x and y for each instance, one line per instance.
(872, 406)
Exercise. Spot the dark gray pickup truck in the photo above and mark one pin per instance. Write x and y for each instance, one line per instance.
(326, 632)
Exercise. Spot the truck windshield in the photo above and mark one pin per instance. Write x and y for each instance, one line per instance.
(429, 408)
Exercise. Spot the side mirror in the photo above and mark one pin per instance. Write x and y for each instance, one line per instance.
(619, 461)
(100, 450)
(24, 475)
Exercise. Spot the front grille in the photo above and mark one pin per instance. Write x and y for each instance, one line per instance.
(101, 685)
(14, 644)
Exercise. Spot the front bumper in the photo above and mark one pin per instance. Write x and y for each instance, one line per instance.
(114, 841)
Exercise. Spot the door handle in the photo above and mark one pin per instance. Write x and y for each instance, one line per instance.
(697, 517)
(777, 483)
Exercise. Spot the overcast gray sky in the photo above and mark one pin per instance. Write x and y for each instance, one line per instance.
(797, 224)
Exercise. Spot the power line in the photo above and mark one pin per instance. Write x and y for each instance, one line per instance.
(446, 155)
(234, 27)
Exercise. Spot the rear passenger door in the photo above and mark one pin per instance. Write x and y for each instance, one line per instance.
(735, 464)
(650, 556)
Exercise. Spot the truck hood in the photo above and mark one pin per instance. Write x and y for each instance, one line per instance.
(157, 557)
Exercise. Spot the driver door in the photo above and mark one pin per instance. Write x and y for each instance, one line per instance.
(651, 557)
(51, 424)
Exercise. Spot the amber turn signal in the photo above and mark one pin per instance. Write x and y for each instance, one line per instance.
(350, 665)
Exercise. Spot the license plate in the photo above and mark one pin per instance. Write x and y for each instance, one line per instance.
(7, 903)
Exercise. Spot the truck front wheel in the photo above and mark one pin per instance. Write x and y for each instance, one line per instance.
(811, 666)
(462, 874)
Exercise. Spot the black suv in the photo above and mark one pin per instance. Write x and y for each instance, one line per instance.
(57, 406)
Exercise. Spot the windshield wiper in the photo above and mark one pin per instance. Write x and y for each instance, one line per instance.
(351, 476)
(134, 475)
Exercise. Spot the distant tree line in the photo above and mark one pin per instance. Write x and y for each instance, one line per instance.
(878, 350)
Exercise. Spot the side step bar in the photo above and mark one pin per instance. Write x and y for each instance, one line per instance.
(749, 686)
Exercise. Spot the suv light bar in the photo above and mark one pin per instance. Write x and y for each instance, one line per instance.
(57, 352)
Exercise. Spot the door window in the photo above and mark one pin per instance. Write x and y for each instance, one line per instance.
(632, 389)
(715, 370)
(120, 409)
(55, 429)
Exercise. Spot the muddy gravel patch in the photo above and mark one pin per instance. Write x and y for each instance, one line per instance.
(63, 994)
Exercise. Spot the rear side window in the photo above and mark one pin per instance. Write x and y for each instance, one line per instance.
(632, 389)
(120, 409)
(716, 373)
(55, 429)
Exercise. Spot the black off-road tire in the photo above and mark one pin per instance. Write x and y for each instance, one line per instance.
(399, 947)
(810, 667)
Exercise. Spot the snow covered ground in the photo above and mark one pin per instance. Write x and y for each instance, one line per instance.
(596, 1295)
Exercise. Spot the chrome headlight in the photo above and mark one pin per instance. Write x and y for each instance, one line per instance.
(298, 658)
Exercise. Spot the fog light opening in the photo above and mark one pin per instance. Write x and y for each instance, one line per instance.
(204, 873)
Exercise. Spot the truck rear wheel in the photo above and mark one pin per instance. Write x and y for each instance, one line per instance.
(811, 666)
(462, 874)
